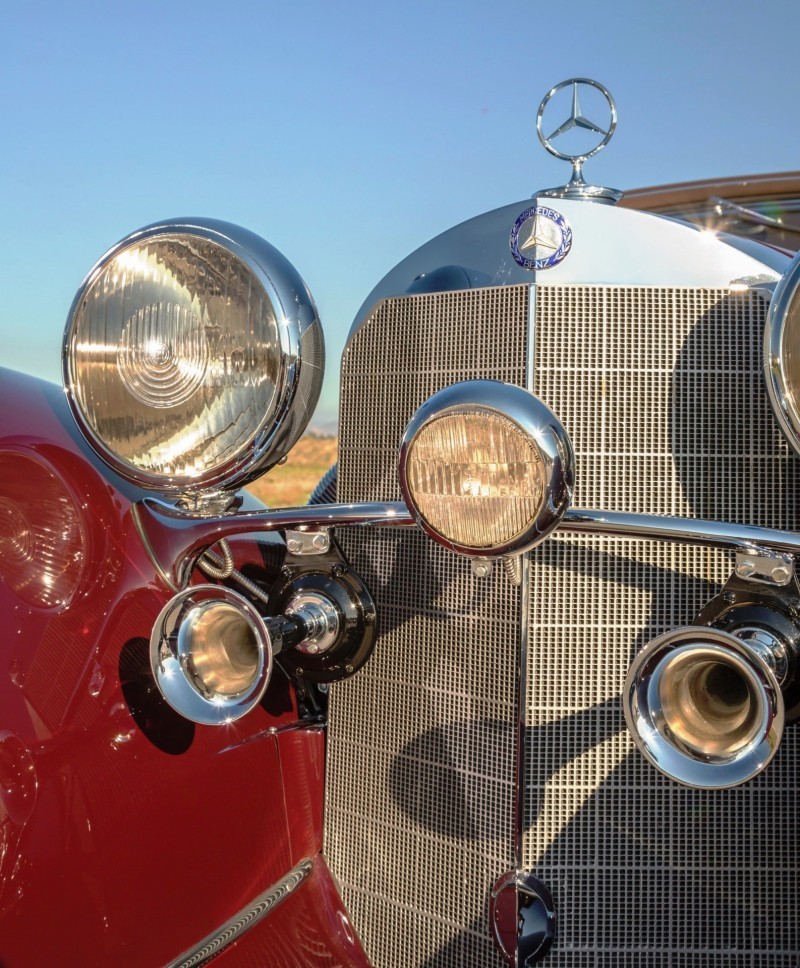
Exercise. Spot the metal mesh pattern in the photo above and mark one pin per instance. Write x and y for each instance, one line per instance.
(420, 798)
(661, 393)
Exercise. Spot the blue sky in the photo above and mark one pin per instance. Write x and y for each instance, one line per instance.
(348, 133)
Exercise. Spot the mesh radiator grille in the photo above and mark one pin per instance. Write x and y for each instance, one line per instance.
(661, 393)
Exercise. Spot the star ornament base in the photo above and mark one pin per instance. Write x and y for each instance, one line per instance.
(541, 238)
(580, 190)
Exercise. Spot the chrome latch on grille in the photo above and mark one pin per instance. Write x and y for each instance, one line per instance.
(765, 567)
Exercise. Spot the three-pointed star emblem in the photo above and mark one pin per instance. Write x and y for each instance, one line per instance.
(541, 233)
(577, 119)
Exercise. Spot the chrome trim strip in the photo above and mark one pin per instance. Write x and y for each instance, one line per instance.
(174, 538)
(258, 909)
(524, 636)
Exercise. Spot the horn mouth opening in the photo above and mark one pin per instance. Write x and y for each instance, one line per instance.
(219, 648)
(211, 654)
(704, 707)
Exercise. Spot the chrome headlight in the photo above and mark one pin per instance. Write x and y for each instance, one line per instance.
(782, 353)
(486, 468)
(193, 356)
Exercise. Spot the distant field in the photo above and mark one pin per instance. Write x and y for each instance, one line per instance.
(290, 484)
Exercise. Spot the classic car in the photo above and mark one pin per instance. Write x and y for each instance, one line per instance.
(517, 685)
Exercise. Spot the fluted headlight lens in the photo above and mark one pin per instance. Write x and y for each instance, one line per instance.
(182, 355)
(486, 468)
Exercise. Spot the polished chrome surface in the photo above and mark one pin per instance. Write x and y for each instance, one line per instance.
(307, 542)
(545, 436)
(211, 654)
(782, 353)
(319, 616)
(174, 538)
(231, 930)
(716, 534)
(577, 120)
(764, 567)
(271, 405)
(769, 645)
(638, 250)
(704, 707)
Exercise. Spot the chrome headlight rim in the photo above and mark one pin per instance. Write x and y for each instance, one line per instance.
(535, 421)
(295, 312)
(168, 660)
(777, 379)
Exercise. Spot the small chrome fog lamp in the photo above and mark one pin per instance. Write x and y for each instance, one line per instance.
(193, 356)
(211, 654)
(486, 468)
(704, 706)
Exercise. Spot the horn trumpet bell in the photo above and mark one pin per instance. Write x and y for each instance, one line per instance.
(704, 707)
(211, 654)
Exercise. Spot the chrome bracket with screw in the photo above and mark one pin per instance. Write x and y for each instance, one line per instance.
(764, 567)
(308, 542)
(482, 567)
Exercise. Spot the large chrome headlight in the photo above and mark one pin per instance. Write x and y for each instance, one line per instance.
(782, 353)
(193, 356)
(486, 468)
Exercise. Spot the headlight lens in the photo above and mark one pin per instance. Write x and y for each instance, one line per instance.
(782, 353)
(486, 468)
(183, 358)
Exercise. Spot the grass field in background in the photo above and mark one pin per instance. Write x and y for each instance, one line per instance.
(290, 484)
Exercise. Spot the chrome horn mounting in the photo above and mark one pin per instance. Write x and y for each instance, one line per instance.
(706, 704)
(211, 651)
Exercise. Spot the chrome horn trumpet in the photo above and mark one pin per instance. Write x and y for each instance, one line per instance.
(705, 706)
(211, 654)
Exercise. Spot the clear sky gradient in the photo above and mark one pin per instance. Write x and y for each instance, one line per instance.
(349, 133)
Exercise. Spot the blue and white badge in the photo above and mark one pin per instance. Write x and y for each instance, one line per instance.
(541, 238)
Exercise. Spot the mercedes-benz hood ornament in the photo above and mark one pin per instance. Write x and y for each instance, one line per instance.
(595, 122)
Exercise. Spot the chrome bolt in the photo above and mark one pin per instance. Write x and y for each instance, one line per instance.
(746, 568)
(320, 542)
(294, 545)
(780, 574)
(312, 648)
(481, 569)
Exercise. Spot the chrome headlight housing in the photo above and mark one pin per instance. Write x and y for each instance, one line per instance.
(193, 356)
(782, 353)
(486, 468)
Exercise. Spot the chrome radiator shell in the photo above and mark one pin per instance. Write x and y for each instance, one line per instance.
(487, 731)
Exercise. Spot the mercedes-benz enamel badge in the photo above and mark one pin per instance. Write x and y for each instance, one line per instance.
(541, 238)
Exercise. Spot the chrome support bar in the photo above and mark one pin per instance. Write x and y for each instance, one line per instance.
(175, 538)
(717, 534)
